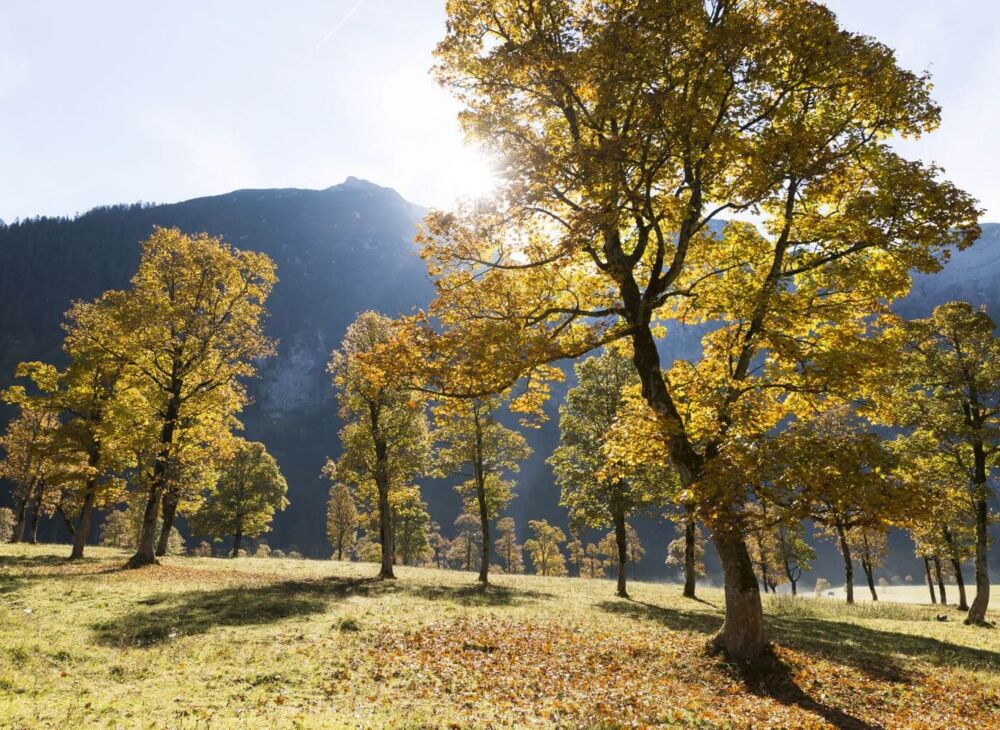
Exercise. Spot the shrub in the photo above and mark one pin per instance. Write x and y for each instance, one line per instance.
(277, 554)
(241, 553)
(7, 523)
(263, 550)
(295, 555)
(822, 584)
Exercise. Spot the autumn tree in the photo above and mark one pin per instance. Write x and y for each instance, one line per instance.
(628, 130)
(439, 545)
(598, 491)
(186, 332)
(947, 396)
(544, 548)
(466, 547)
(794, 554)
(508, 550)
(834, 470)
(870, 544)
(384, 440)
(688, 552)
(341, 519)
(28, 460)
(473, 444)
(7, 523)
(410, 522)
(243, 503)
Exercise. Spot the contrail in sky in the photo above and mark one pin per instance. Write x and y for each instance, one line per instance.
(337, 26)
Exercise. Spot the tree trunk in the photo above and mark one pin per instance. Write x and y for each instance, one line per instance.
(956, 566)
(621, 539)
(36, 514)
(795, 590)
(385, 532)
(845, 551)
(22, 514)
(86, 515)
(236, 542)
(145, 554)
(340, 549)
(690, 535)
(977, 613)
(484, 525)
(940, 580)
(930, 579)
(870, 577)
(742, 635)
(70, 527)
(170, 499)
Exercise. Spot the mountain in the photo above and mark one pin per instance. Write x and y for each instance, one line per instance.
(338, 251)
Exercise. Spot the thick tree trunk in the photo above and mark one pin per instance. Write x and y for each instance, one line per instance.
(742, 635)
(22, 514)
(169, 509)
(930, 579)
(977, 612)
(795, 589)
(385, 532)
(237, 541)
(145, 554)
(845, 551)
(690, 535)
(940, 580)
(956, 566)
(484, 525)
(621, 543)
(870, 577)
(86, 515)
(36, 514)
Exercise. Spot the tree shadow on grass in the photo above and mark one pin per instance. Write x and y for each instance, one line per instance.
(871, 651)
(171, 615)
(476, 595)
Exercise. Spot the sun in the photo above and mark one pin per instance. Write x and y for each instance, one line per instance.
(474, 174)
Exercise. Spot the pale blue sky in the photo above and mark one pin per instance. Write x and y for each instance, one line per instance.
(117, 100)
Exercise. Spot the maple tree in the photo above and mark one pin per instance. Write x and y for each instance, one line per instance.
(28, 460)
(473, 444)
(185, 332)
(543, 547)
(341, 519)
(946, 394)
(871, 547)
(508, 550)
(7, 523)
(243, 502)
(598, 490)
(384, 440)
(465, 549)
(628, 129)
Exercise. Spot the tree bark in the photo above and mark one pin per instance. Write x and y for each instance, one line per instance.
(145, 554)
(845, 551)
(870, 577)
(236, 542)
(22, 513)
(484, 525)
(940, 581)
(742, 636)
(621, 540)
(86, 515)
(36, 514)
(930, 579)
(169, 510)
(690, 536)
(977, 612)
(956, 566)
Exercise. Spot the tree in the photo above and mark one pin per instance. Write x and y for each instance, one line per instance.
(948, 397)
(834, 470)
(475, 445)
(762, 541)
(411, 522)
(384, 439)
(634, 548)
(28, 459)
(794, 554)
(185, 333)
(822, 585)
(597, 490)
(243, 503)
(618, 162)
(543, 547)
(466, 548)
(341, 519)
(688, 553)
(7, 523)
(871, 546)
(509, 551)
(593, 561)
(440, 545)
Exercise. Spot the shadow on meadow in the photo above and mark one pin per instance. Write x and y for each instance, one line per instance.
(165, 616)
(873, 652)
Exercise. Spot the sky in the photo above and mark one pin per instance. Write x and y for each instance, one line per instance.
(113, 101)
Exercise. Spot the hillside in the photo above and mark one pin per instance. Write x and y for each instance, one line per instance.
(338, 251)
(283, 643)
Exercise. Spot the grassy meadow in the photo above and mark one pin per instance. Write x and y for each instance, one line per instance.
(248, 643)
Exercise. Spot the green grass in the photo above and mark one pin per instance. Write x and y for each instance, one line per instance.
(291, 643)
